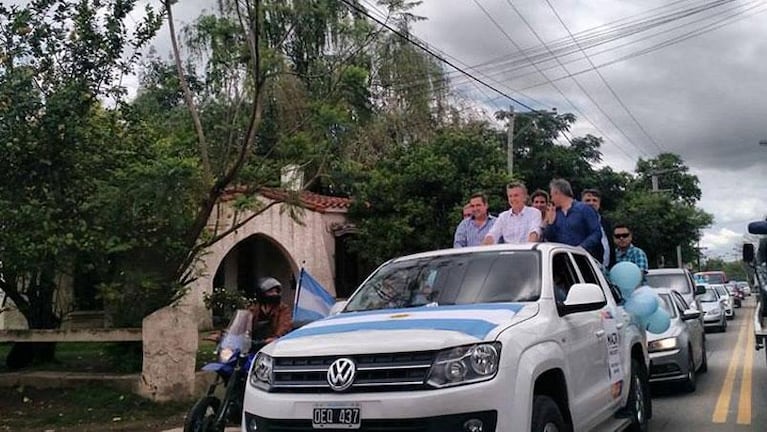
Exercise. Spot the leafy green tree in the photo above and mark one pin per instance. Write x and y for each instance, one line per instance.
(58, 62)
(673, 175)
(659, 224)
(412, 201)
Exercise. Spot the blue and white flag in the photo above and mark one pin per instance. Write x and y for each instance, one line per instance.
(313, 301)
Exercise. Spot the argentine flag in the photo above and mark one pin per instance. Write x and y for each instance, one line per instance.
(313, 302)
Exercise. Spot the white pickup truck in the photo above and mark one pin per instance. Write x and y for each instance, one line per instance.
(499, 338)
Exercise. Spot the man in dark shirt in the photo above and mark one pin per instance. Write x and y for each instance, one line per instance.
(593, 197)
(570, 221)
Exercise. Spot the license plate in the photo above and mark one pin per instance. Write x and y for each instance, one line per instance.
(336, 418)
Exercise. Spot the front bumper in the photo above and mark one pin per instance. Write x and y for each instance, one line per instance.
(712, 320)
(453, 422)
(425, 410)
(669, 365)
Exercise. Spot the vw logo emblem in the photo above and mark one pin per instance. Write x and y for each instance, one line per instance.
(341, 374)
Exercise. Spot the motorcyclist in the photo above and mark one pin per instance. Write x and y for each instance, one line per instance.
(271, 317)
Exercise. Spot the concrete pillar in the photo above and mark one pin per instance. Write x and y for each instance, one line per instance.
(170, 350)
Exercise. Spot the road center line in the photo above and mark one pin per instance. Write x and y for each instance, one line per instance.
(744, 403)
(723, 402)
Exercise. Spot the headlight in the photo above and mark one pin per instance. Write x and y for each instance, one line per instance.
(464, 365)
(662, 344)
(261, 373)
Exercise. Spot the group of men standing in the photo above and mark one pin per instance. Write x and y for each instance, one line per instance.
(555, 217)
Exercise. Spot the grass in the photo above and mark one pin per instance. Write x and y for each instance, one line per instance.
(89, 408)
(101, 357)
(86, 408)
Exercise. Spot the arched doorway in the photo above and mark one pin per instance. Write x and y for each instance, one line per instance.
(255, 257)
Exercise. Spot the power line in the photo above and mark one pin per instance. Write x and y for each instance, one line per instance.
(580, 86)
(425, 49)
(680, 38)
(607, 84)
(572, 104)
(589, 39)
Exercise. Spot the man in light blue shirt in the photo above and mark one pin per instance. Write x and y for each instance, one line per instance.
(472, 230)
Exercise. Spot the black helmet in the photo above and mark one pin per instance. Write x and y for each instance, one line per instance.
(265, 284)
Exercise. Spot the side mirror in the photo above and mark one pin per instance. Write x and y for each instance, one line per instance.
(748, 252)
(584, 297)
(337, 307)
(700, 289)
(758, 227)
(690, 314)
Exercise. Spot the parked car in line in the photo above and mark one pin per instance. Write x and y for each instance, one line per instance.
(745, 287)
(679, 352)
(471, 339)
(736, 294)
(678, 279)
(729, 302)
(713, 310)
(711, 277)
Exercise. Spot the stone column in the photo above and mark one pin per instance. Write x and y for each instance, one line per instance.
(170, 350)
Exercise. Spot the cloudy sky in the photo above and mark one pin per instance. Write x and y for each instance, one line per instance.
(704, 98)
(699, 89)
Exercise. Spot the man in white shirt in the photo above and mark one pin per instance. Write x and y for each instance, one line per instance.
(519, 224)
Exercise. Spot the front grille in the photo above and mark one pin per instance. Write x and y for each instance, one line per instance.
(375, 372)
(664, 369)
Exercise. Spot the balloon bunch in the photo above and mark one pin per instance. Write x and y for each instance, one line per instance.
(642, 302)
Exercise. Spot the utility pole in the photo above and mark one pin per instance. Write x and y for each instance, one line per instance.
(510, 142)
(654, 177)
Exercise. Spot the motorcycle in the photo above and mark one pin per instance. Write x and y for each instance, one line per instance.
(234, 356)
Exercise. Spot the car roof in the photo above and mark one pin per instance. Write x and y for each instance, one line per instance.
(542, 247)
(666, 271)
(666, 290)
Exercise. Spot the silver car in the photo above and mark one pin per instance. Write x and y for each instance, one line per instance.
(729, 307)
(679, 352)
(714, 315)
(678, 279)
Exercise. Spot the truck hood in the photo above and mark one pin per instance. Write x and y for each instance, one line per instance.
(400, 330)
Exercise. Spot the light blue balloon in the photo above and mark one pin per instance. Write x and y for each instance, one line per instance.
(658, 322)
(626, 276)
(642, 303)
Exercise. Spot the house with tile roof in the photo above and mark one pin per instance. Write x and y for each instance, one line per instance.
(271, 243)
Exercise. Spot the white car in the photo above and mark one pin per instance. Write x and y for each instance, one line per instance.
(469, 339)
(728, 301)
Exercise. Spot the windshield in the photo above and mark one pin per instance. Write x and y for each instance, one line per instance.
(678, 282)
(710, 278)
(709, 296)
(479, 277)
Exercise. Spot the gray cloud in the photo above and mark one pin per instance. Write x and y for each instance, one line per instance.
(703, 98)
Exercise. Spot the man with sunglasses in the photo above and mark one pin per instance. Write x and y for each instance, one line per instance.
(626, 251)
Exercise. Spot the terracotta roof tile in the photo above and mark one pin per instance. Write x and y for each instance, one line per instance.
(308, 200)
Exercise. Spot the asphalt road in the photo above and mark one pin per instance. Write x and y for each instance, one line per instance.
(731, 396)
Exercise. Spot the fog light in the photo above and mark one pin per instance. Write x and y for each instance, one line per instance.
(473, 425)
(252, 425)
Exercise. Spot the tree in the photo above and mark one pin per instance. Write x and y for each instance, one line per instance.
(58, 61)
(673, 177)
(412, 201)
(659, 224)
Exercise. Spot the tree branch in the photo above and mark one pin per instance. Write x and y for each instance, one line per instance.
(207, 170)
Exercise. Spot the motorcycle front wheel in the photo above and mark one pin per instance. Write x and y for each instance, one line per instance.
(202, 415)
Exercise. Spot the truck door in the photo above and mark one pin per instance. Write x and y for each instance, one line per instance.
(585, 342)
(607, 369)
